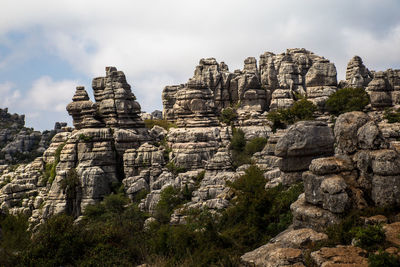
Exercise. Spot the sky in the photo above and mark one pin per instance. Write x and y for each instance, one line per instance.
(48, 47)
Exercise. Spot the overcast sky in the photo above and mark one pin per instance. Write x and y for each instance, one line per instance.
(47, 48)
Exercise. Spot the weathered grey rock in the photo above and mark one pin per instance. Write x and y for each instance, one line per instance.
(357, 75)
(116, 102)
(379, 91)
(306, 215)
(346, 128)
(386, 190)
(303, 142)
(330, 165)
(335, 196)
(83, 110)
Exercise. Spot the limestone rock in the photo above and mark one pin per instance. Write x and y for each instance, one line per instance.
(116, 102)
(304, 141)
(357, 75)
(346, 128)
(306, 215)
(340, 256)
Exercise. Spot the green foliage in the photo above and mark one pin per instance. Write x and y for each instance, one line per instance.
(171, 198)
(346, 100)
(175, 169)
(228, 115)
(255, 145)
(85, 137)
(392, 116)
(301, 110)
(69, 184)
(383, 259)
(241, 151)
(49, 173)
(238, 141)
(14, 239)
(149, 123)
(257, 214)
(369, 237)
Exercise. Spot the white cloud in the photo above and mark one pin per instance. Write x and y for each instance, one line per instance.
(49, 95)
(159, 42)
(9, 95)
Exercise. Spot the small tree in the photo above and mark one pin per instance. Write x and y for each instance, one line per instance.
(347, 100)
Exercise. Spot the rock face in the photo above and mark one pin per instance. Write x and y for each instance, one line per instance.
(272, 84)
(357, 75)
(20, 144)
(117, 106)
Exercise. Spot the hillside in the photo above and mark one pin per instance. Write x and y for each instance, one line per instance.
(277, 164)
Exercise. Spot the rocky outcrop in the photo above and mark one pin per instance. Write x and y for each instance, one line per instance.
(273, 84)
(283, 250)
(357, 75)
(117, 105)
(19, 144)
(297, 147)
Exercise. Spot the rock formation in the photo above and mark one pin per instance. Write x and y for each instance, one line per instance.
(21, 144)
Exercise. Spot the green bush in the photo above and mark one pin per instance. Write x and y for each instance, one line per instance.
(241, 151)
(50, 169)
(149, 123)
(228, 115)
(175, 169)
(257, 214)
(346, 100)
(383, 259)
(238, 141)
(392, 116)
(171, 198)
(255, 145)
(301, 110)
(370, 237)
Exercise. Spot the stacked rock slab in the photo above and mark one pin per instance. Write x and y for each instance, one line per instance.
(298, 146)
(364, 167)
(357, 75)
(116, 103)
(273, 84)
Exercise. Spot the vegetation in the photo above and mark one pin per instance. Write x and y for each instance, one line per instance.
(50, 169)
(241, 150)
(369, 237)
(392, 116)
(84, 137)
(301, 110)
(150, 123)
(228, 115)
(112, 232)
(383, 259)
(175, 169)
(346, 100)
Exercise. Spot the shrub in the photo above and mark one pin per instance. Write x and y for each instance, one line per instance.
(238, 141)
(85, 137)
(346, 100)
(149, 123)
(170, 198)
(392, 116)
(228, 115)
(175, 169)
(369, 237)
(50, 168)
(383, 259)
(257, 214)
(301, 110)
(255, 145)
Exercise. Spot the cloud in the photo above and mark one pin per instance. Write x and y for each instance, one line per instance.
(159, 42)
(9, 95)
(49, 95)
